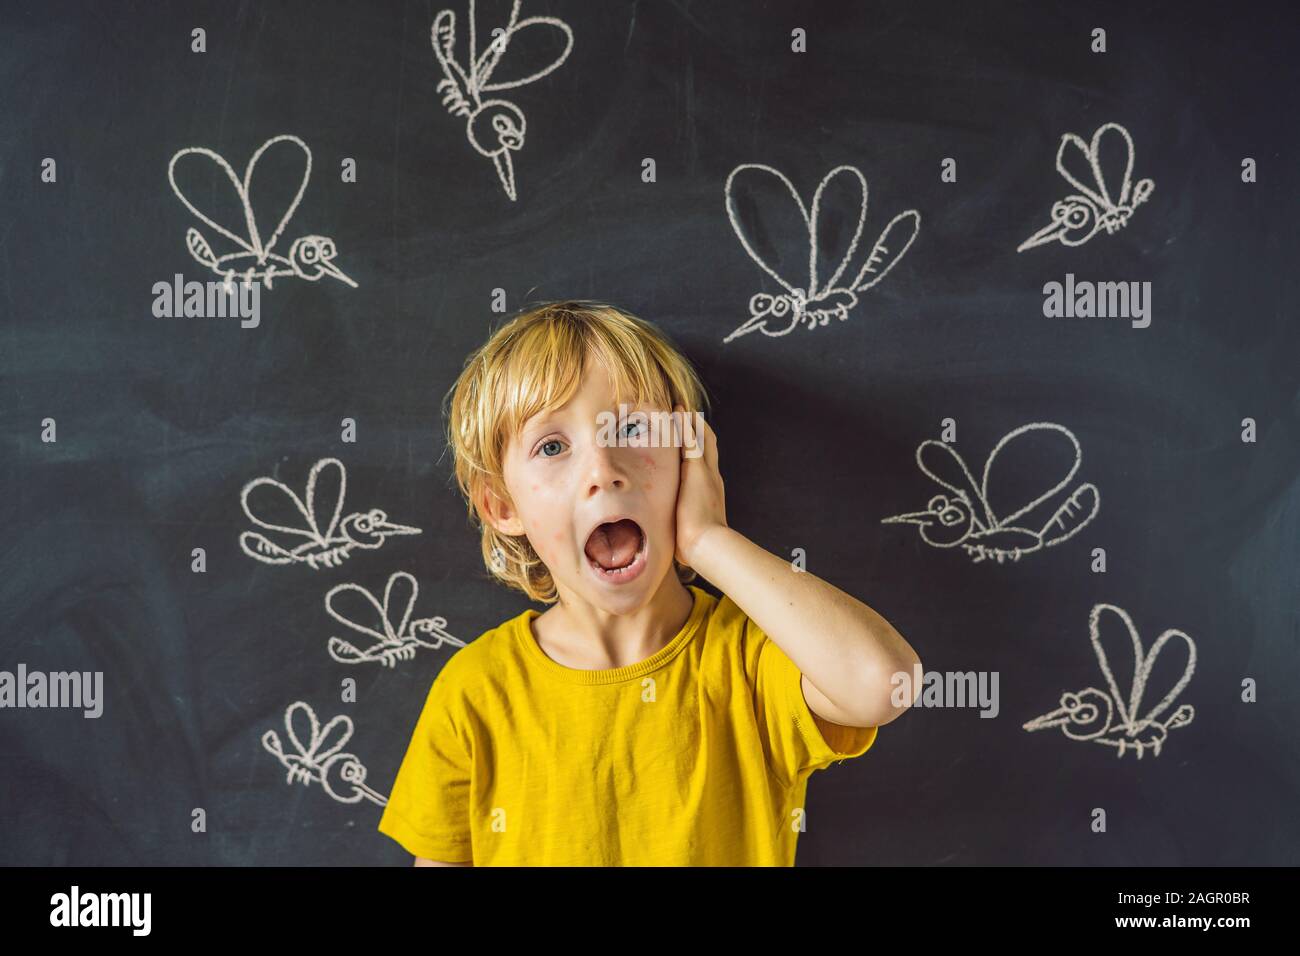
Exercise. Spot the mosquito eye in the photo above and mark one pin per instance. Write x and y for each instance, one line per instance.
(1072, 214)
(309, 253)
(327, 249)
(363, 524)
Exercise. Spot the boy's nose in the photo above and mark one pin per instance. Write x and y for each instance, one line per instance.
(606, 468)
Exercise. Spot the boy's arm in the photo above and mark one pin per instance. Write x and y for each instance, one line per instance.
(846, 651)
(421, 861)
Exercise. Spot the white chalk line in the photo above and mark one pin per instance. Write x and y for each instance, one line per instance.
(1110, 717)
(495, 127)
(1077, 218)
(318, 758)
(310, 257)
(813, 300)
(322, 539)
(967, 518)
(390, 639)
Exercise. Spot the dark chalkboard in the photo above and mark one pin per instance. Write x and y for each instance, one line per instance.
(160, 423)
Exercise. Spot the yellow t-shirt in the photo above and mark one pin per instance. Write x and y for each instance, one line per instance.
(696, 756)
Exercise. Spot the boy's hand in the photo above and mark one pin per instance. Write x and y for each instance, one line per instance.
(701, 499)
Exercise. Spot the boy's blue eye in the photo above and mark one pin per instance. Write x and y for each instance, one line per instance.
(637, 423)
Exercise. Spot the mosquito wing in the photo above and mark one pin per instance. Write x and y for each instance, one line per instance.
(1027, 467)
(281, 160)
(262, 548)
(772, 223)
(271, 504)
(1128, 669)
(400, 594)
(311, 740)
(1173, 671)
(540, 31)
(443, 34)
(1102, 170)
(839, 211)
(893, 243)
(209, 187)
(356, 608)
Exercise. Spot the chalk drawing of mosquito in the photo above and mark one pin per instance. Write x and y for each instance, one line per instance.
(1112, 718)
(817, 295)
(390, 638)
(495, 127)
(341, 775)
(971, 516)
(1077, 218)
(310, 257)
(317, 536)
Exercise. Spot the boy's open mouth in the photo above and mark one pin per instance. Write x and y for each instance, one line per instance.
(616, 548)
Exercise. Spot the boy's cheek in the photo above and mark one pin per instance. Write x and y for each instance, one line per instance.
(650, 470)
(548, 542)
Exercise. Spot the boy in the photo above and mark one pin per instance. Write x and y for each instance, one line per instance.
(640, 720)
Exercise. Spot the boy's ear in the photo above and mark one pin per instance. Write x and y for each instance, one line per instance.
(499, 513)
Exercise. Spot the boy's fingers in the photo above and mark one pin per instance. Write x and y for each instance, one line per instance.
(685, 425)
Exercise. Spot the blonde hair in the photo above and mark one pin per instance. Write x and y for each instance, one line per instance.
(535, 362)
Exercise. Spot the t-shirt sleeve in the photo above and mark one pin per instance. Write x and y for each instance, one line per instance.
(428, 809)
(798, 741)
